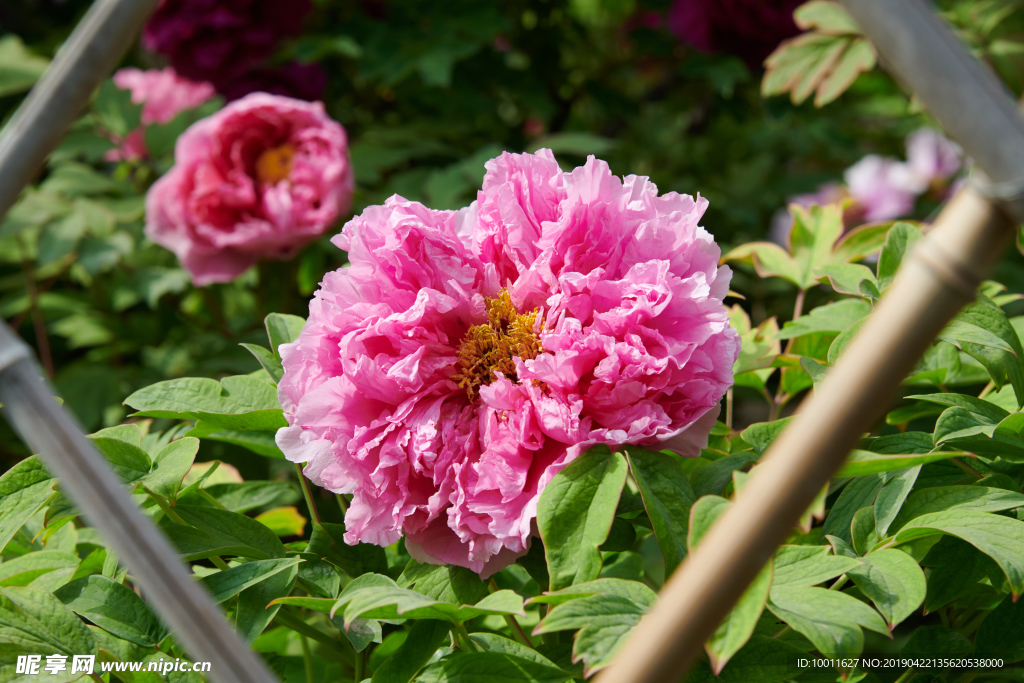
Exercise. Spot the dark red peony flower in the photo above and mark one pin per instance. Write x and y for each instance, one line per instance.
(221, 41)
(750, 29)
(301, 81)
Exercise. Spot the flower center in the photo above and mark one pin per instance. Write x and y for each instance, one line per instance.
(490, 347)
(275, 164)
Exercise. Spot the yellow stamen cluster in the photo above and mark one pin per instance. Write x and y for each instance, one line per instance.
(275, 165)
(490, 347)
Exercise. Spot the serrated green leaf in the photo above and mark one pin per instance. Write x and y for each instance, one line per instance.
(34, 621)
(575, 514)
(239, 402)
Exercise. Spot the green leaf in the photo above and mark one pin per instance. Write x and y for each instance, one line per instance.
(631, 590)
(239, 402)
(213, 531)
(425, 637)
(857, 494)
(19, 68)
(768, 259)
(115, 110)
(270, 362)
(955, 568)
(946, 498)
(170, 466)
(113, 607)
(389, 601)
(281, 329)
(834, 317)
(1002, 632)
(21, 571)
(447, 583)
(24, 490)
(34, 621)
(892, 581)
(937, 641)
(254, 611)
(860, 463)
(1003, 366)
(737, 627)
(1001, 538)
(831, 620)
(898, 242)
(808, 565)
(604, 623)
(667, 498)
(575, 514)
(228, 583)
(892, 496)
(980, 409)
(850, 278)
(247, 495)
(283, 521)
(129, 462)
(490, 667)
(327, 541)
(710, 479)
(761, 434)
(259, 442)
(839, 344)
(758, 346)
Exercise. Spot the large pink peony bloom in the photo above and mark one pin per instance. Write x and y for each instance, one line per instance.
(463, 358)
(163, 95)
(259, 179)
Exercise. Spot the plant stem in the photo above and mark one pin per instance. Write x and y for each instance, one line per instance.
(360, 666)
(296, 624)
(517, 631)
(798, 307)
(341, 503)
(969, 627)
(307, 494)
(728, 408)
(168, 510)
(307, 659)
(840, 582)
(218, 562)
(966, 468)
(905, 676)
(215, 310)
(464, 638)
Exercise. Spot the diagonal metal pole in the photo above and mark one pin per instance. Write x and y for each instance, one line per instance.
(938, 278)
(90, 53)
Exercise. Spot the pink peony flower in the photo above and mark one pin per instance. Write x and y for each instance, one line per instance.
(261, 178)
(163, 95)
(462, 359)
(884, 187)
(931, 156)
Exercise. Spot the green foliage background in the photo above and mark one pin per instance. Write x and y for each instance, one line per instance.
(896, 556)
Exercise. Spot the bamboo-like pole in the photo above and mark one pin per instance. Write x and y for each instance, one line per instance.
(936, 280)
(93, 49)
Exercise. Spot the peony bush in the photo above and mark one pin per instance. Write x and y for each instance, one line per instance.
(434, 341)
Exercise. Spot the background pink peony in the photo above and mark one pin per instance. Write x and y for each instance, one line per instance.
(636, 349)
(163, 95)
(259, 179)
